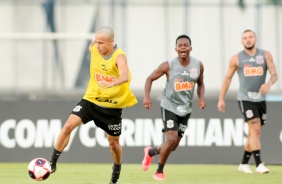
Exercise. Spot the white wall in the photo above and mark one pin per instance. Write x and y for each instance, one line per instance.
(146, 32)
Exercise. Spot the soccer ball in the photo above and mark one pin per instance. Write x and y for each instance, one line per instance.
(39, 169)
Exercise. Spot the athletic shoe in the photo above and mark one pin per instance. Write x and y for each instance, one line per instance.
(111, 182)
(53, 167)
(147, 159)
(159, 176)
(261, 169)
(245, 168)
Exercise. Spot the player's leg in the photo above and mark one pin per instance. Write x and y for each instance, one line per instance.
(63, 139)
(111, 122)
(244, 166)
(116, 151)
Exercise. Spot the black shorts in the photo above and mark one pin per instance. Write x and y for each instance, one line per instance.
(251, 110)
(108, 119)
(174, 122)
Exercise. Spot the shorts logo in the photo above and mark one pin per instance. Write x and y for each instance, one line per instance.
(170, 123)
(115, 127)
(249, 113)
(77, 108)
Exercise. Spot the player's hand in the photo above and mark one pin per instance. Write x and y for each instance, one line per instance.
(105, 84)
(201, 104)
(147, 103)
(221, 106)
(264, 88)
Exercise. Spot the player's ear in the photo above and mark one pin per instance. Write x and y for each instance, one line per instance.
(191, 48)
(175, 49)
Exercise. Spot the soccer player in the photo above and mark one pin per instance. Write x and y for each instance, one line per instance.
(251, 65)
(107, 94)
(182, 73)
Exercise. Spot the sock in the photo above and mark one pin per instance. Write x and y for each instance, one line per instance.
(55, 156)
(246, 157)
(160, 168)
(256, 154)
(116, 172)
(153, 152)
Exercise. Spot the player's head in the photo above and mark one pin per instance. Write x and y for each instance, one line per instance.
(104, 40)
(249, 39)
(183, 46)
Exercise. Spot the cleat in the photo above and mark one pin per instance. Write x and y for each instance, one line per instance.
(261, 169)
(53, 167)
(111, 182)
(159, 176)
(115, 174)
(147, 159)
(245, 168)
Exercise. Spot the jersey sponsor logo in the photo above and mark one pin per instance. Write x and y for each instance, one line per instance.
(100, 77)
(193, 73)
(254, 95)
(183, 86)
(184, 73)
(252, 59)
(182, 108)
(259, 60)
(253, 71)
(106, 100)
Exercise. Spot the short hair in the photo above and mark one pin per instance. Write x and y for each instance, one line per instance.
(183, 36)
(249, 30)
(107, 31)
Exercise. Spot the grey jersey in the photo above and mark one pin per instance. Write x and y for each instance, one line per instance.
(178, 93)
(251, 72)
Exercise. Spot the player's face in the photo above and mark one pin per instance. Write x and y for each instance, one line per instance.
(104, 45)
(249, 40)
(183, 47)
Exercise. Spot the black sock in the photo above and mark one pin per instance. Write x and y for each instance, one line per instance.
(55, 156)
(256, 154)
(246, 157)
(116, 172)
(153, 152)
(160, 168)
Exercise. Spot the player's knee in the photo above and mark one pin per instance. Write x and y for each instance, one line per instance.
(68, 128)
(114, 144)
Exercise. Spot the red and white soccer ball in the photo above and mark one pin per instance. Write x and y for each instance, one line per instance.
(39, 169)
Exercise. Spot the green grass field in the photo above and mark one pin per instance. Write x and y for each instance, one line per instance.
(12, 173)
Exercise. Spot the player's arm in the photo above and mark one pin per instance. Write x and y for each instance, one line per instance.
(121, 63)
(272, 71)
(233, 66)
(201, 88)
(157, 73)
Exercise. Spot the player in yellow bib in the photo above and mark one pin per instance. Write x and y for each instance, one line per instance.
(107, 94)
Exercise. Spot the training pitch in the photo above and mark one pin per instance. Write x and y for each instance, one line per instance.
(16, 173)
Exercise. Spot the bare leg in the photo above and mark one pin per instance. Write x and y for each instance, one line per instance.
(170, 144)
(116, 151)
(64, 136)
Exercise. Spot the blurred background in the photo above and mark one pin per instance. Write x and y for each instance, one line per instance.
(44, 43)
(44, 72)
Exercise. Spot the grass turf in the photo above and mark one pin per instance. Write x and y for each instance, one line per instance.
(16, 173)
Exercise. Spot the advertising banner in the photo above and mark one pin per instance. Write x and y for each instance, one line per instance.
(29, 128)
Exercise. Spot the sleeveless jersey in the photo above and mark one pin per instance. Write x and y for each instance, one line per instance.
(252, 73)
(177, 95)
(102, 69)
